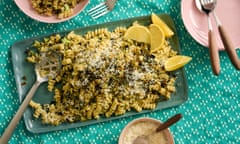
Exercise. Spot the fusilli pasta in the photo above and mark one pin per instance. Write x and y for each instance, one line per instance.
(103, 74)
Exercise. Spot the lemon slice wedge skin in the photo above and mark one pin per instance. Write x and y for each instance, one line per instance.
(176, 62)
(157, 20)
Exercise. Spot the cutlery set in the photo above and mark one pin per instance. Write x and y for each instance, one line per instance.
(208, 6)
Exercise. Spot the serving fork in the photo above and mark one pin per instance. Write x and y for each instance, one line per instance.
(102, 8)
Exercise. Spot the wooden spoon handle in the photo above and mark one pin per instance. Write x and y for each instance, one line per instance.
(229, 47)
(169, 122)
(12, 125)
(214, 55)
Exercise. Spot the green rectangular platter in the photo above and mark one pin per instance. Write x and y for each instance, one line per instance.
(22, 68)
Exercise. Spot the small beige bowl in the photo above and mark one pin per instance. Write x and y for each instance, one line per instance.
(145, 126)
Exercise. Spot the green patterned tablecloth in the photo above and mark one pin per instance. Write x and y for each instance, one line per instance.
(210, 115)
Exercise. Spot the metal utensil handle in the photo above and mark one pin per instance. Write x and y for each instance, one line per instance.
(169, 122)
(12, 125)
(229, 47)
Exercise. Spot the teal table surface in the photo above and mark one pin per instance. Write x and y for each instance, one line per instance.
(210, 115)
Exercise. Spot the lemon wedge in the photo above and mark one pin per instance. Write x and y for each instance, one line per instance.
(157, 37)
(176, 62)
(138, 33)
(157, 20)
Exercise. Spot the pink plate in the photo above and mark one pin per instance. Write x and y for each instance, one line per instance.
(26, 7)
(196, 21)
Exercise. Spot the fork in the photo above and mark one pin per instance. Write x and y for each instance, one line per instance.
(102, 8)
(207, 7)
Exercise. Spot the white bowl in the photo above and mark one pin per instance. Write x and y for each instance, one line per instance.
(27, 8)
(145, 126)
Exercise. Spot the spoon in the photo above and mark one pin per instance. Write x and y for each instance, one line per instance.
(50, 62)
(144, 139)
(232, 54)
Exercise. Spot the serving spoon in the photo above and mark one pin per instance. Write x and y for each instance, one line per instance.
(49, 62)
(144, 139)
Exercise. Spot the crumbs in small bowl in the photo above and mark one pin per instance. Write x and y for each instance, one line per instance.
(145, 126)
(60, 8)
